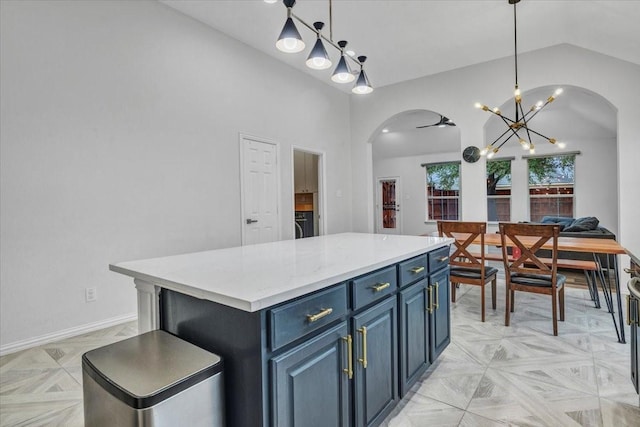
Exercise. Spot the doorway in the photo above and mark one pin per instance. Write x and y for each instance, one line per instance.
(260, 196)
(307, 193)
(389, 220)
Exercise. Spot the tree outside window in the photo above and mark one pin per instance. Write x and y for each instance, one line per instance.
(551, 182)
(443, 191)
(499, 190)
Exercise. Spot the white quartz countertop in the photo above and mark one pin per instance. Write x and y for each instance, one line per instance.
(254, 277)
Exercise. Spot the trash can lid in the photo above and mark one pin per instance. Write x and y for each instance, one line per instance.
(149, 368)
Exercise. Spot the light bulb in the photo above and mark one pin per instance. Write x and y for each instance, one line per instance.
(562, 145)
(477, 105)
(362, 90)
(270, 1)
(532, 149)
(539, 104)
(350, 53)
(558, 91)
(525, 144)
(342, 77)
(484, 151)
(491, 154)
(290, 45)
(385, 130)
(517, 92)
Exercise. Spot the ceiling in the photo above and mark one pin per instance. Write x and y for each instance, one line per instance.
(404, 39)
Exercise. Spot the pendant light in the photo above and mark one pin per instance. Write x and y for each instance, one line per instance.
(318, 58)
(342, 73)
(290, 40)
(362, 86)
(521, 121)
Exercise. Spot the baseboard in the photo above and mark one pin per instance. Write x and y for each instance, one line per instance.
(65, 333)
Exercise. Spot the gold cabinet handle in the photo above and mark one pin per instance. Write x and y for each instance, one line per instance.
(430, 307)
(416, 270)
(380, 286)
(628, 309)
(349, 369)
(363, 359)
(443, 258)
(323, 312)
(437, 303)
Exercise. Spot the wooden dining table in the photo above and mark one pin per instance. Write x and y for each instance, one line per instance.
(584, 245)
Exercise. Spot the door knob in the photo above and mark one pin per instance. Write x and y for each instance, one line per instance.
(251, 221)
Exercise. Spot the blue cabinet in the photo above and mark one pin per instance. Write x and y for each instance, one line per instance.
(310, 383)
(414, 334)
(341, 356)
(439, 313)
(376, 363)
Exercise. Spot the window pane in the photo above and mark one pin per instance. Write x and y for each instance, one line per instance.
(443, 191)
(499, 190)
(551, 182)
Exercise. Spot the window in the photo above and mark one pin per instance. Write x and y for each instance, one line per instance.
(551, 181)
(499, 190)
(443, 191)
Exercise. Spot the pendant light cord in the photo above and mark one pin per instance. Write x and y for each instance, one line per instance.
(515, 40)
(330, 21)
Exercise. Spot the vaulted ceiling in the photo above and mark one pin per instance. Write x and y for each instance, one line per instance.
(407, 39)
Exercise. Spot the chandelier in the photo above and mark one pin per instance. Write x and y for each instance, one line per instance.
(290, 41)
(518, 127)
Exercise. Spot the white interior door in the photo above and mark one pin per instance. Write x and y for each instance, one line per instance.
(260, 191)
(388, 218)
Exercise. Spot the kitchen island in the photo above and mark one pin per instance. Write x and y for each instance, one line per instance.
(331, 329)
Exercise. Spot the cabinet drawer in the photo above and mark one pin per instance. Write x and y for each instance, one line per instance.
(413, 269)
(373, 286)
(297, 318)
(438, 259)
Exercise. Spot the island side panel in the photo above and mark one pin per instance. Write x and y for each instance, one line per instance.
(235, 335)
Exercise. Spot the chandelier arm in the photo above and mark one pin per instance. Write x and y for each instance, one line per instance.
(539, 134)
(500, 115)
(536, 111)
(503, 134)
(508, 138)
(328, 40)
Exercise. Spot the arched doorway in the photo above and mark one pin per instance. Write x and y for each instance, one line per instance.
(400, 146)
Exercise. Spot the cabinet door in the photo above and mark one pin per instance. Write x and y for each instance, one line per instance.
(310, 383)
(299, 171)
(376, 362)
(634, 316)
(414, 335)
(440, 313)
(311, 172)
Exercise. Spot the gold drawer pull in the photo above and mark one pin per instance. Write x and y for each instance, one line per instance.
(324, 312)
(443, 258)
(437, 303)
(430, 307)
(416, 270)
(380, 286)
(363, 359)
(628, 309)
(349, 369)
(628, 270)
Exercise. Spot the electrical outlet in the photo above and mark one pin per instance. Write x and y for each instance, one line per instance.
(90, 294)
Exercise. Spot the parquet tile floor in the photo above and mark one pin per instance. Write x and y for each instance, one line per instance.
(490, 375)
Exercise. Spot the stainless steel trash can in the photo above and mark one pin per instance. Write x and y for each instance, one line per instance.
(152, 380)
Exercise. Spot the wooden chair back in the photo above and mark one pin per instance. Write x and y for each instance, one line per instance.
(461, 255)
(528, 238)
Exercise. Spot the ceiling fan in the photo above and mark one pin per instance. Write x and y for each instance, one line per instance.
(444, 121)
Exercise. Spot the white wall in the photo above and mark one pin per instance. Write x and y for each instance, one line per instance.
(456, 91)
(593, 185)
(119, 141)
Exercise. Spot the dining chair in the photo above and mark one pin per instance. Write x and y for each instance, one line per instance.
(528, 273)
(465, 266)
